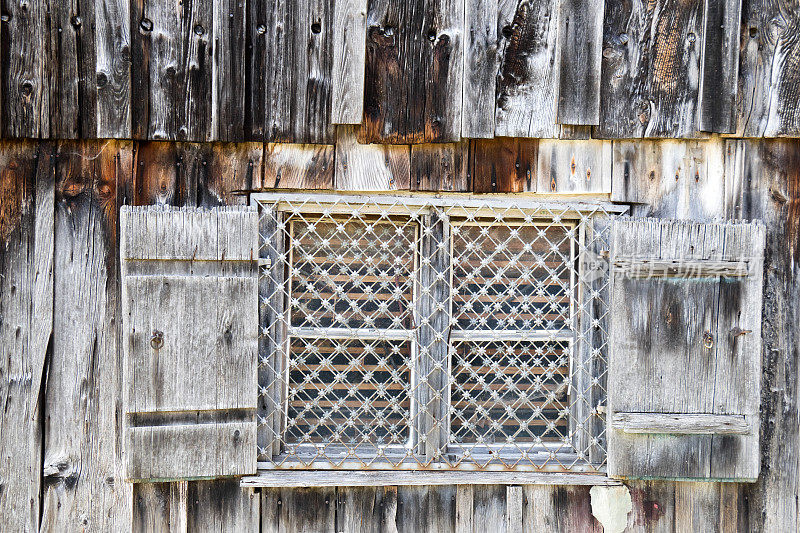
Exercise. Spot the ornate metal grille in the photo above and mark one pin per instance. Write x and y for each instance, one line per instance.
(418, 331)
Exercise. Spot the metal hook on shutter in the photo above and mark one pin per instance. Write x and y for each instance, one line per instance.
(157, 339)
(708, 339)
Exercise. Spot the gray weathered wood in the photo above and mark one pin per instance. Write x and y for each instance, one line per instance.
(580, 43)
(377, 478)
(464, 509)
(651, 62)
(349, 50)
(26, 306)
(426, 509)
(298, 166)
(720, 65)
(769, 73)
(480, 68)
(682, 424)
(366, 510)
(179, 426)
(301, 510)
(558, 508)
(527, 83)
(222, 505)
(657, 268)
(113, 68)
(514, 509)
(703, 331)
(370, 167)
(574, 166)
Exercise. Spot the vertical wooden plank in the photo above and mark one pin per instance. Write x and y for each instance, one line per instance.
(222, 505)
(414, 72)
(489, 504)
(720, 65)
(366, 509)
(426, 508)
(574, 166)
(763, 178)
(503, 165)
(113, 68)
(302, 510)
(215, 173)
(480, 68)
(290, 88)
(769, 72)
(513, 509)
(349, 54)
(156, 179)
(558, 508)
(651, 62)
(298, 166)
(370, 167)
(27, 70)
(226, 51)
(653, 507)
(697, 506)
(158, 507)
(26, 307)
(439, 167)
(580, 43)
(527, 84)
(83, 404)
(464, 509)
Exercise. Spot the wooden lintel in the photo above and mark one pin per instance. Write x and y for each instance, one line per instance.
(682, 424)
(696, 268)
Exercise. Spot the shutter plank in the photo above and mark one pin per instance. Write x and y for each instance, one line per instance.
(685, 352)
(349, 50)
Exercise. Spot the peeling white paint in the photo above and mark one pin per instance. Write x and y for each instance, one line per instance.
(611, 505)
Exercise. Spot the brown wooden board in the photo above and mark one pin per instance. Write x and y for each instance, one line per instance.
(651, 69)
(439, 167)
(413, 85)
(298, 166)
(503, 165)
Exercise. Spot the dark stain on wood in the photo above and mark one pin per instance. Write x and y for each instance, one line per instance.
(503, 165)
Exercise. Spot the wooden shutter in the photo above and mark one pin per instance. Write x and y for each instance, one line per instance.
(190, 322)
(685, 350)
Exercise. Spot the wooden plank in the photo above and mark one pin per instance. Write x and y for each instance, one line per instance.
(682, 424)
(83, 456)
(464, 509)
(697, 506)
(370, 167)
(720, 65)
(27, 188)
(527, 84)
(290, 71)
(439, 167)
(574, 166)
(306, 510)
(227, 53)
(580, 43)
(113, 73)
(378, 478)
(503, 165)
(414, 72)
(366, 510)
(669, 178)
(558, 508)
(426, 509)
(298, 166)
(769, 74)
(764, 183)
(349, 55)
(514, 509)
(159, 507)
(651, 61)
(653, 505)
(480, 68)
(27, 70)
(647, 268)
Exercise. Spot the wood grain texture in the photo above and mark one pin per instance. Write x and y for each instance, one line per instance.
(769, 72)
(370, 167)
(580, 43)
(560, 508)
(27, 70)
(349, 55)
(27, 188)
(527, 83)
(720, 65)
(366, 509)
(439, 167)
(671, 178)
(480, 68)
(681, 424)
(651, 62)
(414, 72)
(112, 42)
(305, 510)
(298, 166)
(687, 327)
(426, 509)
(83, 453)
(765, 185)
(188, 75)
(574, 166)
(289, 97)
(503, 165)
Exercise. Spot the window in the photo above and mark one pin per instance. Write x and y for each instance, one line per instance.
(411, 331)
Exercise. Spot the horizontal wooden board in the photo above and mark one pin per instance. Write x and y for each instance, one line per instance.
(681, 424)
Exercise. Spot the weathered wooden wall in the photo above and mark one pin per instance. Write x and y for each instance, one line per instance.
(418, 71)
(60, 439)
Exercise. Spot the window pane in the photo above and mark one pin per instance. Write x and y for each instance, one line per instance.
(511, 276)
(352, 274)
(509, 392)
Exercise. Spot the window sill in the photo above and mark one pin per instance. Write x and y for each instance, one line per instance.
(379, 478)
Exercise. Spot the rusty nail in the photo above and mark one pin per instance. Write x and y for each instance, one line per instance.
(737, 331)
(157, 339)
(708, 339)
